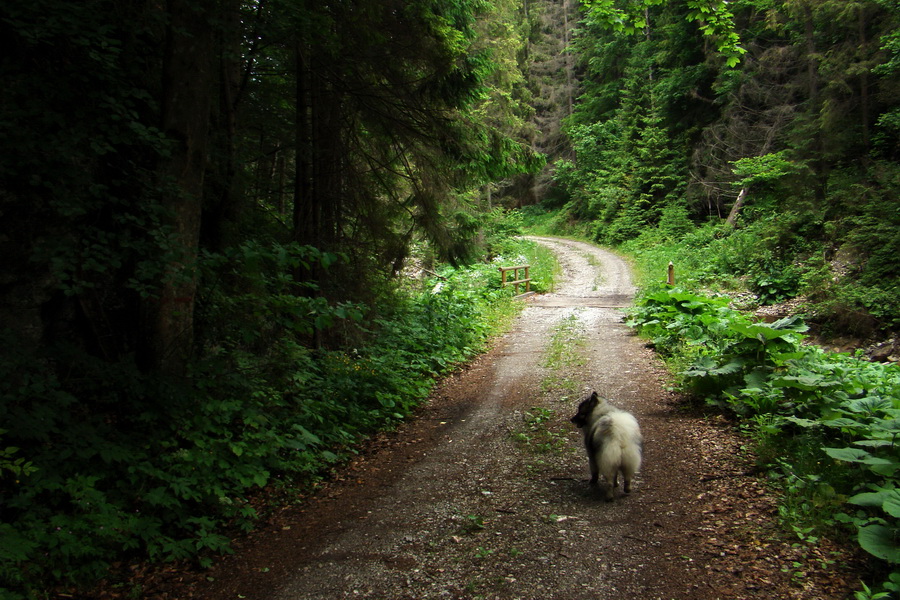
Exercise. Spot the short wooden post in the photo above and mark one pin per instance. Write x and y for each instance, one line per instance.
(671, 278)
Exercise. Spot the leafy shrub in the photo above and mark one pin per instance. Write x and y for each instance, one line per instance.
(728, 350)
(110, 464)
(849, 409)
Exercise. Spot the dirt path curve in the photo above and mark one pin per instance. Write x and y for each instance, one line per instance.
(454, 504)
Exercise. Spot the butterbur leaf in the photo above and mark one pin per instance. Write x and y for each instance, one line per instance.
(883, 467)
(707, 367)
(806, 423)
(756, 379)
(732, 366)
(843, 422)
(848, 454)
(880, 541)
(794, 323)
(892, 504)
(891, 423)
(870, 498)
(869, 404)
(874, 443)
(801, 382)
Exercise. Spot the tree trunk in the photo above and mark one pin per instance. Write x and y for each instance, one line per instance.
(318, 183)
(812, 62)
(221, 202)
(819, 166)
(864, 84)
(186, 99)
(736, 208)
(570, 75)
(305, 216)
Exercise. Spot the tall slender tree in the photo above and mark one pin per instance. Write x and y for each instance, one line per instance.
(187, 94)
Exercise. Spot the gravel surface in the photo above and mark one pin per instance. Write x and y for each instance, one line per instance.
(463, 502)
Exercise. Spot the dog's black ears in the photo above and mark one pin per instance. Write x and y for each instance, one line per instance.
(594, 397)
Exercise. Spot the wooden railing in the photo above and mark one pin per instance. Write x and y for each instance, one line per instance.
(516, 280)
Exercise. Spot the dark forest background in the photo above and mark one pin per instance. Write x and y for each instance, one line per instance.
(223, 221)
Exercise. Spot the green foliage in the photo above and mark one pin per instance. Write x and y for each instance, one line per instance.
(830, 419)
(631, 131)
(713, 16)
(535, 434)
(809, 149)
(760, 169)
(17, 467)
(110, 464)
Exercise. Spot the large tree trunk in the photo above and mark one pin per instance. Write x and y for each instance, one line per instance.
(864, 85)
(187, 90)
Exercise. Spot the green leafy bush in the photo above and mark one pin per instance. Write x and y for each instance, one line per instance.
(110, 464)
(832, 421)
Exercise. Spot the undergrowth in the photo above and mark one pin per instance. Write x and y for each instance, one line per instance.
(826, 424)
(109, 465)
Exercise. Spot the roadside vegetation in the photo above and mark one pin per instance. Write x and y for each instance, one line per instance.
(825, 424)
(265, 419)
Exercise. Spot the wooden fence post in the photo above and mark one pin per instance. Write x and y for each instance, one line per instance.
(516, 280)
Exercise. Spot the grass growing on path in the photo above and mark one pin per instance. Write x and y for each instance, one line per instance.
(565, 353)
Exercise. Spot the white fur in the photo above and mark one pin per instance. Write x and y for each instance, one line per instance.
(614, 444)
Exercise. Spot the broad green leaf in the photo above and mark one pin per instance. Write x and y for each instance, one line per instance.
(889, 426)
(892, 504)
(806, 423)
(848, 454)
(842, 422)
(883, 467)
(869, 404)
(874, 443)
(880, 540)
(756, 379)
(763, 333)
(803, 382)
(870, 498)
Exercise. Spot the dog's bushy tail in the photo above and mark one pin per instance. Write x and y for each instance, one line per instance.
(621, 446)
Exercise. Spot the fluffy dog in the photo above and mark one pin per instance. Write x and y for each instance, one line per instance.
(613, 442)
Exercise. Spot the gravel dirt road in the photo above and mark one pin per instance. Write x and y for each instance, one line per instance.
(485, 495)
